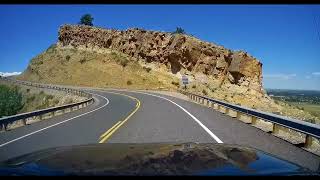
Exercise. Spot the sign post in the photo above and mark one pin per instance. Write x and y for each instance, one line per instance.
(185, 81)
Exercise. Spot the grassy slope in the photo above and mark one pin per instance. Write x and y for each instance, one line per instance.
(71, 66)
(84, 68)
(33, 100)
(312, 108)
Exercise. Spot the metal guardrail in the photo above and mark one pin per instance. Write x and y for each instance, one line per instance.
(24, 116)
(310, 130)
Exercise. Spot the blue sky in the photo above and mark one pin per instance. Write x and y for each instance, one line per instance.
(283, 37)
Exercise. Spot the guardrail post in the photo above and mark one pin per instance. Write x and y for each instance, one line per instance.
(214, 106)
(275, 128)
(5, 127)
(227, 110)
(308, 141)
(253, 120)
(24, 121)
(222, 109)
(232, 113)
(244, 118)
(238, 115)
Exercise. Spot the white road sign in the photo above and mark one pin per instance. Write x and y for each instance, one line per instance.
(185, 79)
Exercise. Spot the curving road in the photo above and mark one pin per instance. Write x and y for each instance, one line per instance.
(135, 117)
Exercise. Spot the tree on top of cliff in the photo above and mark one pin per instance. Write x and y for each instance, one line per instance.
(86, 20)
(179, 30)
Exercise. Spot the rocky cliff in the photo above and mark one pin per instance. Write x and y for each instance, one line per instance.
(140, 59)
(178, 52)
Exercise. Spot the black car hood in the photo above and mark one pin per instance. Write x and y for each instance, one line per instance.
(151, 159)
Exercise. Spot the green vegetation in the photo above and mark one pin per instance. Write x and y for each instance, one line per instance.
(303, 96)
(19, 99)
(194, 86)
(147, 69)
(86, 20)
(10, 100)
(83, 60)
(67, 57)
(51, 48)
(179, 30)
(175, 83)
(314, 109)
(204, 92)
(120, 59)
(305, 100)
(124, 62)
(129, 82)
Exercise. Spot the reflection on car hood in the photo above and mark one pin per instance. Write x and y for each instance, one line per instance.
(150, 159)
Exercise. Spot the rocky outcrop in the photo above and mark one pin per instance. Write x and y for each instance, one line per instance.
(176, 51)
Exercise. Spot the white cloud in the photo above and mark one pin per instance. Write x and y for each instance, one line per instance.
(9, 73)
(308, 77)
(316, 73)
(280, 76)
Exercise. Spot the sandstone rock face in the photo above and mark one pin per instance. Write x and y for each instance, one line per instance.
(176, 51)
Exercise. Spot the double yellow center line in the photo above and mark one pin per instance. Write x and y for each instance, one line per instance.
(105, 136)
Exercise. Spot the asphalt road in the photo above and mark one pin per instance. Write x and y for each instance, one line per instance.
(143, 117)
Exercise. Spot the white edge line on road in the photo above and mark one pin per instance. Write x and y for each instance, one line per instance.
(194, 118)
(57, 123)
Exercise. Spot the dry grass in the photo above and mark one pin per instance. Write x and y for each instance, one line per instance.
(85, 68)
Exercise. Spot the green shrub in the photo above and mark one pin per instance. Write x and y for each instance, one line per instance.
(31, 98)
(179, 30)
(56, 101)
(51, 48)
(175, 83)
(204, 92)
(83, 60)
(194, 86)
(129, 82)
(69, 101)
(50, 96)
(124, 62)
(147, 69)
(10, 101)
(86, 20)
